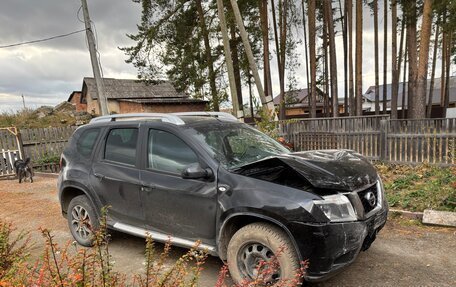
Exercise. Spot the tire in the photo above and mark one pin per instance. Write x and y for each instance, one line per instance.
(82, 220)
(260, 241)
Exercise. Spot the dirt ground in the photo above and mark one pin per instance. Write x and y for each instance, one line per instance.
(404, 254)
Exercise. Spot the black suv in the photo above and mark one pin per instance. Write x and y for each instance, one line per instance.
(207, 177)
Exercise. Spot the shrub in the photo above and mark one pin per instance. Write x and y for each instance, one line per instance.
(13, 249)
(72, 265)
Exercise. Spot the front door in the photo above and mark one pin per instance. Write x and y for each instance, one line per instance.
(184, 208)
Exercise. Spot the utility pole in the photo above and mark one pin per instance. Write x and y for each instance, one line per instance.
(238, 112)
(23, 101)
(102, 102)
(266, 100)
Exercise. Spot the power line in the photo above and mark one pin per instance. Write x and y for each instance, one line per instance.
(41, 40)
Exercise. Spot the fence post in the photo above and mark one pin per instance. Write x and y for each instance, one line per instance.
(20, 144)
(384, 139)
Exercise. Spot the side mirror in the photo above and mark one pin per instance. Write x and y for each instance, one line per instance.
(195, 171)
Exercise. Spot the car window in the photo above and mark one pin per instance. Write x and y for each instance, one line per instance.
(167, 152)
(86, 142)
(121, 145)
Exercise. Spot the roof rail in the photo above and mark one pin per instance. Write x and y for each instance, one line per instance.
(169, 118)
(220, 115)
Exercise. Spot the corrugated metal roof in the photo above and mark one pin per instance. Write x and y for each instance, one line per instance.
(370, 93)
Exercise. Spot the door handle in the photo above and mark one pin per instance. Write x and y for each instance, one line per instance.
(147, 188)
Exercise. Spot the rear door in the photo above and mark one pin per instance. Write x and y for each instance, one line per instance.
(115, 174)
(179, 207)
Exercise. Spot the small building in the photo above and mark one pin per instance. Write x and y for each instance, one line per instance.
(297, 103)
(133, 96)
(369, 96)
(75, 99)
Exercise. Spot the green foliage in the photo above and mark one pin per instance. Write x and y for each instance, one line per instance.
(266, 124)
(48, 159)
(421, 187)
(13, 250)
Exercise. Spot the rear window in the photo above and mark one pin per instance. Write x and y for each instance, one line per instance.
(86, 142)
(121, 146)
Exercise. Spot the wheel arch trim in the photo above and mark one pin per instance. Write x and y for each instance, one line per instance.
(84, 191)
(262, 217)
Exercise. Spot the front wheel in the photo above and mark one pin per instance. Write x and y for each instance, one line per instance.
(82, 220)
(259, 242)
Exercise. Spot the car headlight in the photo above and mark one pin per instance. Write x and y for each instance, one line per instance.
(337, 208)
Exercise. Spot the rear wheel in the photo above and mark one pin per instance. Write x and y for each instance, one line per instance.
(259, 242)
(82, 220)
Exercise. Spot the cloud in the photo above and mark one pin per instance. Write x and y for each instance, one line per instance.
(46, 73)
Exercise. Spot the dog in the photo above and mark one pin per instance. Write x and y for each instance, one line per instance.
(23, 168)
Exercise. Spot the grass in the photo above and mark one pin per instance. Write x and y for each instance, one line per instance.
(28, 118)
(416, 188)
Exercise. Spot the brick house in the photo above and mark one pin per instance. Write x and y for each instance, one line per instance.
(75, 99)
(132, 96)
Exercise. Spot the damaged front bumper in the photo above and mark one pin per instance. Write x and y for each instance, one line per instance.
(330, 247)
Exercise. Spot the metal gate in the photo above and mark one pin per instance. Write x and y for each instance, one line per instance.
(10, 150)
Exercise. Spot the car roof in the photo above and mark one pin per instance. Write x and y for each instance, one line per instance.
(179, 119)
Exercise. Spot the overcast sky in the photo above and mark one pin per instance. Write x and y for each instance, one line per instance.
(46, 73)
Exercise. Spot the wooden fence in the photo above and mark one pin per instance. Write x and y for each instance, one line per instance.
(42, 145)
(378, 137)
(45, 143)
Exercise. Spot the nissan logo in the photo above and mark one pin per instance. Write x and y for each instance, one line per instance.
(370, 198)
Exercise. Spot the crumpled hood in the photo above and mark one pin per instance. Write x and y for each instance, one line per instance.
(339, 170)
(344, 170)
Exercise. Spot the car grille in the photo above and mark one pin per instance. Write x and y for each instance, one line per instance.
(369, 198)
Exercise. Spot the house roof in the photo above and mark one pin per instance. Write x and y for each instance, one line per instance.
(370, 93)
(131, 89)
(295, 96)
(165, 101)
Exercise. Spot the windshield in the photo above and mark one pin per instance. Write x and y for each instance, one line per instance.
(235, 145)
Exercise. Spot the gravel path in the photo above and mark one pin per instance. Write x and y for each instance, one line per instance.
(403, 254)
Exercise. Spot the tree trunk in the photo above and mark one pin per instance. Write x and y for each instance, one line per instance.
(377, 90)
(385, 55)
(279, 58)
(313, 59)
(359, 57)
(265, 33)
(395, 78)
(404, 80)
(306, 52)
(401, 49)
(327, 101)
(209, 60)
(229, 61)
(333, 61)
(434, 61)
(420, 100)
(447, 71)
(344, 39)
(349, 22)
(283, 39)
(412, 55)
(442, 77)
